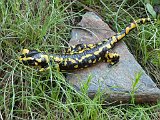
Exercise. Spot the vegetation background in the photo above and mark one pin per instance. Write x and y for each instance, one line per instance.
(46, 25)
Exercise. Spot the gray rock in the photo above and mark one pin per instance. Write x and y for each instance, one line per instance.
(116, 82)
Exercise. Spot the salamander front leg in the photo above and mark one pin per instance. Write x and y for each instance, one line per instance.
(111, 58)
(43, 69)
(55, 67)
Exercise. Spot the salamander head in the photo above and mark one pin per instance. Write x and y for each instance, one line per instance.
(34, 58)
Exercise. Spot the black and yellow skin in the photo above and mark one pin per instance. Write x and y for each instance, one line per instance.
(81, 55)
(79, 48)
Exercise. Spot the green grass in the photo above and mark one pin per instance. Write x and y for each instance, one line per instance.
(46, 25)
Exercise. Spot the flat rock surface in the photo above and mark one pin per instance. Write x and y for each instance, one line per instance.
(115, 82)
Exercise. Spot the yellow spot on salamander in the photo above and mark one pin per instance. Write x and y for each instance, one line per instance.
(114, 40)
(73, 47)
(110, 55)
(86, 66)
(65, 63)
(81, 51)
(94, 61)
(68, 50)
(105, 40)
(108, 46)
(80, 60)
(88, 55)
(91, 45)
(25, 51)
(20, 59)
(57, 59)
(100, 43)
(71, 53)
(76, 59)
(41, 70)
(71, 60)
(127, 30)
(119, 37)
(143, 20)
(36, 63)
(133, 25)
(76, 66)
(99, 59)
(109, 61)
(101, 48)
(46, 58)
(39, 60)
(90, 61)
(79, 48)
(96, 53)
(27, 58)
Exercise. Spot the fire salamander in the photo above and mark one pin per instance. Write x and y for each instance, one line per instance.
(81, 55)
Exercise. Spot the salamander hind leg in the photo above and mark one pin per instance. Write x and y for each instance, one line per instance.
(111, 58)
